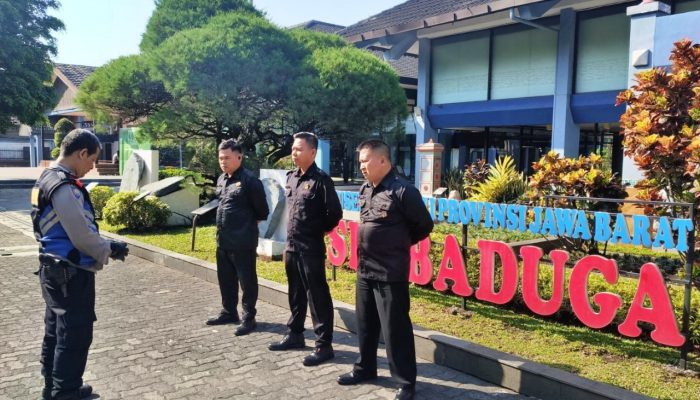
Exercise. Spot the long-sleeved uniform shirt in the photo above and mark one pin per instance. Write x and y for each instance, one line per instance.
(393, 217)
(314, 209)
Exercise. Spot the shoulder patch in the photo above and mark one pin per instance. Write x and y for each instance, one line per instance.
(76, 192)
(35, 197)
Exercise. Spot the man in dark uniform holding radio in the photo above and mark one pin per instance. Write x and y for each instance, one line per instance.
(393, 217)
(314, 209)
(71, 250)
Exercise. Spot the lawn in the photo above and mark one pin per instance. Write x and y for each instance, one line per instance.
(637, 365)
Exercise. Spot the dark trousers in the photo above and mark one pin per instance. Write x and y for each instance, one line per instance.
(68, 325)
(306, 275)
(234, 267)
(383, 307)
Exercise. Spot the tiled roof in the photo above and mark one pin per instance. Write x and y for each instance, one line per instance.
(76, 73)
(405, 67)
(413, 14)
(319, 26)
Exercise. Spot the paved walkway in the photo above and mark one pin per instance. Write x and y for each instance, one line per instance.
(151, 341)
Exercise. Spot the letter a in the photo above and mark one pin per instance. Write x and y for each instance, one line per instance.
(457, 273)
(651, 284)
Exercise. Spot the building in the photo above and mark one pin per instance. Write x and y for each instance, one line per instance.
(522, 77)
(343, 160)
(20, 146)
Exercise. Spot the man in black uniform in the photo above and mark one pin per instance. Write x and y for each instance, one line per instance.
(242, 205)
(393, 217)
(71, 250)
(314, 209)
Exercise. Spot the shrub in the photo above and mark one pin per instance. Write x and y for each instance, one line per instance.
(199, 179)
(661, 129)
(504, 183)
(122, 210)
(577, 177)
(284, 163)
(99, 197)
(454, 180)
(61, 129)
(474, 174)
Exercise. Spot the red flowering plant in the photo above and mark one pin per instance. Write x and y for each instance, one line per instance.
(661, 129)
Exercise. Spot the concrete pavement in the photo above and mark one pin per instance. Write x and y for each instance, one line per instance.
(151, 342)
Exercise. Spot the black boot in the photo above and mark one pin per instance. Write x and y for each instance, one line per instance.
(290, 341)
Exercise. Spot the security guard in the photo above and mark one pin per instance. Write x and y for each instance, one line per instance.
(393, 217)
(242, 205)
(314, 209)
(70, 252)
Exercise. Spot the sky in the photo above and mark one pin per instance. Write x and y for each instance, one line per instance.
(100, 30)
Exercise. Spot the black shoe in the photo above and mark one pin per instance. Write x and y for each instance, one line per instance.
(46, 393)
(290, 341)
(353, 378)
(246, 327)
(406, 393)
(320, 355)
(83, 393)
(224, 318)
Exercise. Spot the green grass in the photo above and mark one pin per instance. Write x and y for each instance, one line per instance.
(637, 365)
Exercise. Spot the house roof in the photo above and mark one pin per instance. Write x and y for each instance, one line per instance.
(406, 66)
(76, 74)
(319, 26)
(417, 14)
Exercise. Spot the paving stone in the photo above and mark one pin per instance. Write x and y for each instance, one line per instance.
(150, 342)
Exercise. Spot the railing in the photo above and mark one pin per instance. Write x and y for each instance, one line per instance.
(14, 155)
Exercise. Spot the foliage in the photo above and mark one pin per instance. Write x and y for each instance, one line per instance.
(577, 177)
(198, 178)
(99, 197)
(636, 365)
(504, 183)
(123, 89)
(173, 16)
(219, 70)
(474, 174)
(661, 129)
(122, 210)
(61, 129)
(284, 163)
(453, 180)
(203, 157)
(26, 34)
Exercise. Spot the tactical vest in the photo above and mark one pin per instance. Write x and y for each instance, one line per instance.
(48, 231)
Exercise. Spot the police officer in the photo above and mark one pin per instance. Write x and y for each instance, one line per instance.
(242, 205)
(393, 217)
(70, 252)
(314, 209)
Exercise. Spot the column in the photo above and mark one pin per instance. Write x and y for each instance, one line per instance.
(424, 131)
(642, 34)
(565, 133)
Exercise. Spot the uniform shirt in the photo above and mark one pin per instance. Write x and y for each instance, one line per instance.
(242, 204)
(314, 209)
(393, 217)
(67, 202)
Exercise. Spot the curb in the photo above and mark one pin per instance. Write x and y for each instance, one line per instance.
(506, 370)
